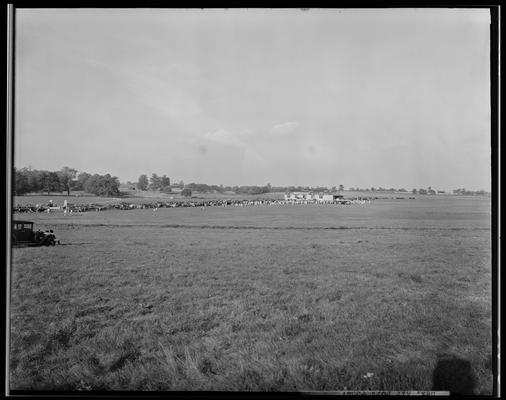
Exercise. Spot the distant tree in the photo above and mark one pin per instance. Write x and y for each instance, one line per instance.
(102, 185)
(414, 191)
(81, 180)
(402, 190)
(34, 178)
(164, 182)
(91, 184)
(341, 188)
(422, 191)
(251, 189)
(142, 182)
(20, 183)
(154, 182)
(67, 176)
(51, 182)
(186, 192)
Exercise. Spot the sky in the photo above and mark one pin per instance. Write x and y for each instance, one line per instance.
(370, 97)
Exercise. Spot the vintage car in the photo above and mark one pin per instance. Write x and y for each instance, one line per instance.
(23, 233)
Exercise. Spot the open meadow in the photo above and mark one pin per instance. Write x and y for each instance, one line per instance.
(293, 298)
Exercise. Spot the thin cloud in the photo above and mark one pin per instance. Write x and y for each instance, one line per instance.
(223, 136)
(285, 128)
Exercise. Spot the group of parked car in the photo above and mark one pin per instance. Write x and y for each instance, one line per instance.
(155, 205)
(129, 206)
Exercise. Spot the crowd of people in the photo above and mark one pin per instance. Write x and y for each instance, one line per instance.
(71, 208)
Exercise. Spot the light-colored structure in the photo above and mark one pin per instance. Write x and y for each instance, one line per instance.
(311, 197)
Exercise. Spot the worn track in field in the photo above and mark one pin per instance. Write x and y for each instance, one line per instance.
(304, 228)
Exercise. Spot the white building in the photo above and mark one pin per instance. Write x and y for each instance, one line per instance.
(312, 197)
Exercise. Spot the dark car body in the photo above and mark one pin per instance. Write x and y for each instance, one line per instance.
(23, 233)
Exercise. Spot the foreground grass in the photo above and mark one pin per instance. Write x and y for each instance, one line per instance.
(153, 308)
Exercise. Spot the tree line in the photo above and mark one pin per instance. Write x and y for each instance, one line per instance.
(465, 192)
(203, 188)
(162, 184)
(28, 180)
(252, 189)
(429, 190)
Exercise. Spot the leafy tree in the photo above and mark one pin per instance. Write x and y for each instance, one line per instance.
(164, 182)
(67, 176)
(81, 180)
(142, 183)
(155, 182)
(91, 184)
(50, 182)
(20, 183)
(341, 188)
(102, 185)
(414, 191)
(34, 179)
(422, 191)
(186, 192)
(110, 185)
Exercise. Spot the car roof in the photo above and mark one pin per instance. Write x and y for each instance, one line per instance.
(21, 222)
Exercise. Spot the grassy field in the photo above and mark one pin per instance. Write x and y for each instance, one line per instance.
(290, 298)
